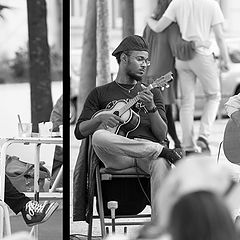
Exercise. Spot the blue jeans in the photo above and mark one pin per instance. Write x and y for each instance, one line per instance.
(119, 152)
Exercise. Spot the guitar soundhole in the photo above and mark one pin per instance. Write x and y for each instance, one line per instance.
(116, 113)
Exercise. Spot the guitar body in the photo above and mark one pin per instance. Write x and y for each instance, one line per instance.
(122, 108)
(231, 142)
(130, 118)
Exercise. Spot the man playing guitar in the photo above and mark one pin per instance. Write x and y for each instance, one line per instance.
(142, 146)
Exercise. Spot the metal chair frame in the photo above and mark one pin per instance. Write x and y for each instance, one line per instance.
(102, 174)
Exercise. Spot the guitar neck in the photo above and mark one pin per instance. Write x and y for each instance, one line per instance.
(132, 102)
(157, 83)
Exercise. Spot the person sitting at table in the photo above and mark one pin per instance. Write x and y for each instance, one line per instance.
(33, 212)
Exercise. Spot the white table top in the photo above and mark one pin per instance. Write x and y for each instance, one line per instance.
(50, 140)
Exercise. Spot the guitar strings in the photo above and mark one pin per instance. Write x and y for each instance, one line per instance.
(126, 89)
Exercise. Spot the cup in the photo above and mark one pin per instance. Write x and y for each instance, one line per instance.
(24, 129)
(61, 130)
(45, 129)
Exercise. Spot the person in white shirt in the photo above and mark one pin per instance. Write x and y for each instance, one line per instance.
(196, 19)
(232, 107)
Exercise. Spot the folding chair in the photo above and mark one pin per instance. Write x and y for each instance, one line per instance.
(108, 209)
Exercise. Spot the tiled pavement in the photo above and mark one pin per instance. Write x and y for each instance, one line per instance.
(215, 139)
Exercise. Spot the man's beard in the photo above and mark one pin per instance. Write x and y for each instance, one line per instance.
(135, 77)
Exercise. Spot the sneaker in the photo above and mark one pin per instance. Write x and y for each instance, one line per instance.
(203, 144)
(172, 155)
(35, 213)
(191, 152)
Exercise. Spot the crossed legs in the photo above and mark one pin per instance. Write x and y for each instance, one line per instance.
(119, 152)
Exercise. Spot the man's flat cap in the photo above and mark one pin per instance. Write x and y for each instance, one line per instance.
(131, 43)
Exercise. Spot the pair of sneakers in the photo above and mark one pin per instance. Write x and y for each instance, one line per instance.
(35, 213)
(172, 155)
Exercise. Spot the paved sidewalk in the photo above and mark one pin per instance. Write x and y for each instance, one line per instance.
(215, 140)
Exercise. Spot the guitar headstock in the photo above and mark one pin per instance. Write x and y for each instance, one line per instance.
(162, 82)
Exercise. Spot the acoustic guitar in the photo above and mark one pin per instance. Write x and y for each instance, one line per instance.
(231, 142)
(122, 108)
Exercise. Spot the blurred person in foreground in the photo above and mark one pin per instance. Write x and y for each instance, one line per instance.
(143, 146)
(196, 20)
(201, 215)
(197, 173)
(199, 197)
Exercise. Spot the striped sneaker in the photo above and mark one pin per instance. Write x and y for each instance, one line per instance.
(35, 213)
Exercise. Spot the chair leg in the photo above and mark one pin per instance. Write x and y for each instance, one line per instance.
(57, 180)
(1, 222)
(100, 202)
(90, 225)
(5, 227)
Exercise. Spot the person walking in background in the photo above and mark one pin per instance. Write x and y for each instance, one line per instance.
(163, 47)
(196, 20)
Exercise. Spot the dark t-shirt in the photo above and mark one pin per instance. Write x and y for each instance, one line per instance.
(101, 96)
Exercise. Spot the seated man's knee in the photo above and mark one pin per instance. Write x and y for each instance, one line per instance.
(97, 137)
